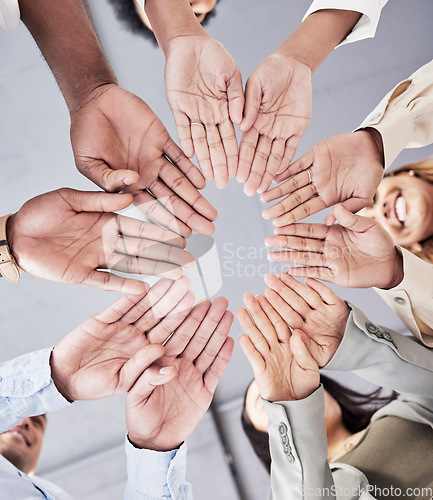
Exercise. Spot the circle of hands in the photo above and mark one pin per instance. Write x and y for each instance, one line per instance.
(152, 343)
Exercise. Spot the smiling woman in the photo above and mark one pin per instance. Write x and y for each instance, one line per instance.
(404, 206)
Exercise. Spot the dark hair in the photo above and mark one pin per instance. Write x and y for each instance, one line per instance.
(126, 13)
(357, 410)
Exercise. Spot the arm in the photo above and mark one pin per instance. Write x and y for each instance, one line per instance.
(69, 236)
(278, 97)
(160, 418)
(203, 86)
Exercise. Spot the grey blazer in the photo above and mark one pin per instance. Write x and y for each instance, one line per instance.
(297, 436)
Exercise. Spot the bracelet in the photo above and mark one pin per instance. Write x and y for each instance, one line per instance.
(8, 266)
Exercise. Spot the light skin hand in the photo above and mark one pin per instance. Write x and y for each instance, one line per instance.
(283, 367)
(204, 86)
(356, 253)
(277, 112)
(313, 308)
(106, 354)
(345, 169)
(161, 418)
(119, 143)
(67, 235)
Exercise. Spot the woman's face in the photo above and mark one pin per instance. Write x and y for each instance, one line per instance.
(404, 206)
(200, 8)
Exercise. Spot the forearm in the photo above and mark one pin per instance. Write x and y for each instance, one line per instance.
(181, 21)
(66, 37)
(318, 35)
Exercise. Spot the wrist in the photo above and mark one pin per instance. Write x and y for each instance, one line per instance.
(56, 375)
(145, 444)
(376, 137)
(397, 271)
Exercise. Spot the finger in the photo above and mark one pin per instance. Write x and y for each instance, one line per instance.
(351, 221)
(290, 316)
(183, 128)
(264, 325)
(138, 265)
(302, 355)
(173, 152)
(161, 306)
(247, 149)
(179, 184)
(302, 258)
(106, 178)
(215, 343)
(154, 376)
(253, 334)
(112, 283)
(83, 201)
(258, 166)
(311, 297)
(355, 204)
(301, 192)
(217, 156)
(253, 99)
(254, 357)
(304, 230)
(285, 188)
(320, 273)
(205, 330)
(154, 294)
(273, 164)
(302, 163)
(313, 348)
(228, 137)
(291, 145)
(288, 294)
(235, 97)
(198, 134)
(164, 329)
(330, 219)
(181, 210)
(280, 326)
(151, 207)
(119, 308)
(325, 293)
(218, 367)
(135, 366)
(310, 207)
(183, 334)
(294, 243)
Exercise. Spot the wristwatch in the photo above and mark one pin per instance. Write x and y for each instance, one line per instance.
(8, 266)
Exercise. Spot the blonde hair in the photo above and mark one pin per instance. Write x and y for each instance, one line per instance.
(424, 170)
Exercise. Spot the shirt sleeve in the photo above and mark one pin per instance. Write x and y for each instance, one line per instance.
(412, 299)
(366, 26)
(9, 14)
(404, 117)
(26, 388)
(156, 475)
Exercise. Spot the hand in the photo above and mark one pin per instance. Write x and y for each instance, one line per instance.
(67, 235)
(161, 418)
(277, 114)
(357, 253)
(118, 141)
(106, 354)
(283, 367)
(204, 90)
(313, 308)
(346, 168)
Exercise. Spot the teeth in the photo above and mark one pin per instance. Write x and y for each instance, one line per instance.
(400, 208)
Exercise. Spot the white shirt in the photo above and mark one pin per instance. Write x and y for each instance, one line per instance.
(9, 14)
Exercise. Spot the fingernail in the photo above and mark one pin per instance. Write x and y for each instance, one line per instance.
(165, 370)
(129, 180)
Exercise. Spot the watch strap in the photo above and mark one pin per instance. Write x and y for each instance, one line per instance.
(8, 266)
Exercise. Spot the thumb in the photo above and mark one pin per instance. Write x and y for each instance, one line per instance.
(347, 219)
(253, 100)
(235, 96)
(302, 352)
(91, 201)
(153, 377)
(107, 178)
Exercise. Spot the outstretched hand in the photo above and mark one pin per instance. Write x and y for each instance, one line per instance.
(161, 417)
(106, 354)
(313, 308)
(276, 116)
(343, 169)
(284, 368)
(120, 143)
(356, 253)
(204, 90)
(68, 236)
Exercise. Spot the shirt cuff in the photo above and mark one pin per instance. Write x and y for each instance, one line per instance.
(156, 474)
(9, 14)
(26, 388)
